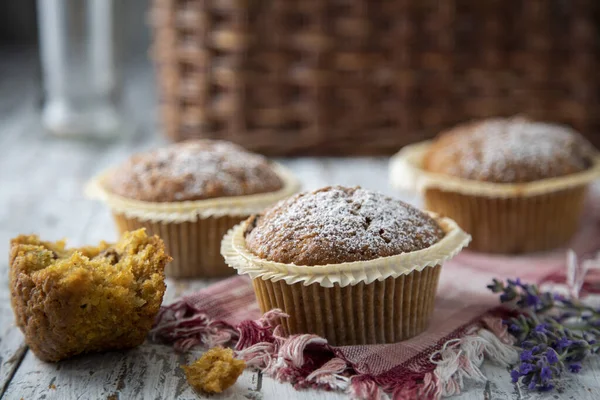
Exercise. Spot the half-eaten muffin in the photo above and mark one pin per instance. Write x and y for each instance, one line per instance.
(69, 301)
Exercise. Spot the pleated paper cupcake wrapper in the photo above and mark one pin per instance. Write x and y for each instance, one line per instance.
(377, 301)
(502, 218)
(194, 246)
(513, 225)
(191, 230)
(386, 311)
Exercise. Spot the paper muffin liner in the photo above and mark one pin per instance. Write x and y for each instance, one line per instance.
(386, 311)
(192, 230)
(385, 300)
(502, 218)
(513, 225)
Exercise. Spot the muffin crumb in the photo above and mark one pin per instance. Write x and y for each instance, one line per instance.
(215, 371)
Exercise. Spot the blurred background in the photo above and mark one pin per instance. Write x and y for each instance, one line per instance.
(336, 77)
(18, 26)
(69, 25)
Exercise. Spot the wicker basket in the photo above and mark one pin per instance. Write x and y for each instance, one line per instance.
(368, 76)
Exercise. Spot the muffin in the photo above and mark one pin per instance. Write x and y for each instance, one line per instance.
(73, 301)
(347, 264)
(514, 184)
(190, 194)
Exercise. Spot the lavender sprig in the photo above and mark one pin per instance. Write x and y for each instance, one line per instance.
(555, 333)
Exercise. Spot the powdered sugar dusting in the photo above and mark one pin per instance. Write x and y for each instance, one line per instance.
(510, 150)
(195, 170)
(337, 224)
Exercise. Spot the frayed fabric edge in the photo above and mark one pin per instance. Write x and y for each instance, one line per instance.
(185, 326)
(459, 360)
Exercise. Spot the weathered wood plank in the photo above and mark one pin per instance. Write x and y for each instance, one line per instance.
(273, 390)
(150, 371)
(16, 112)
(12, 350)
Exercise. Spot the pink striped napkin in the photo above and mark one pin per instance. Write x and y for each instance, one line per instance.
(430, 365)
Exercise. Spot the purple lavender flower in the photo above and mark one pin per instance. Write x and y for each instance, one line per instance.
(550, 341)
(526, 355)
(563, 343)
(551, 356)
(532, 300)
(514, 329)
(546, 387)
(514, 374)
(546, 374)
(516, 282)
(526, 368)
(575, 368)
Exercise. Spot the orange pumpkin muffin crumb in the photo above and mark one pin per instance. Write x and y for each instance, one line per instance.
(215, 371)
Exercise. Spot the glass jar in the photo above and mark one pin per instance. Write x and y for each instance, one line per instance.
(81, 68)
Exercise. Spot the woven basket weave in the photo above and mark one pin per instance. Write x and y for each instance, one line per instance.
(368, 76)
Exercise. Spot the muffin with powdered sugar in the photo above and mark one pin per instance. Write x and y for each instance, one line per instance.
(348, 264)
(190, 194)
(515, 184)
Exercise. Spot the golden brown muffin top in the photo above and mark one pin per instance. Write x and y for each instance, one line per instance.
(194, 170)
(337, 224)
(509, 150)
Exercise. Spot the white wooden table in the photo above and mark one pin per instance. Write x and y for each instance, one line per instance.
(41, 182)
